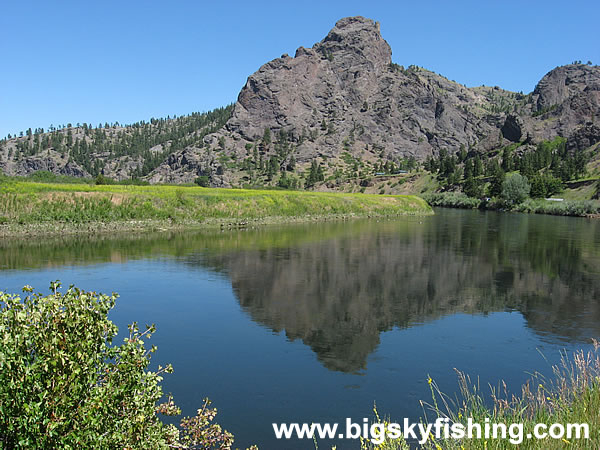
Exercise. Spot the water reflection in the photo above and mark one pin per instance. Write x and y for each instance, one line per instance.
(339, 294)
(337, 287)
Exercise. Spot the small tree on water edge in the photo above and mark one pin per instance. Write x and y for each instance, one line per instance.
(515, 189)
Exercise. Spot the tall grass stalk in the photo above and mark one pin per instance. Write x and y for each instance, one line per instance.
(570, 396)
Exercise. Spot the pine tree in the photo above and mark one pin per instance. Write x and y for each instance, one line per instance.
(477, 167)
(267, 137)
(312, 175)
(291, 166)
(496, 183)
(320, 173)
(468, 169)
(507, 161)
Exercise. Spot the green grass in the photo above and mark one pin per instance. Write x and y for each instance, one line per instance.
(425, 183)
(24, 202)
(580, 208)
(583, 192)
(572, 395)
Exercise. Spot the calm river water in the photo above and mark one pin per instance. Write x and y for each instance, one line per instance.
(316, 322)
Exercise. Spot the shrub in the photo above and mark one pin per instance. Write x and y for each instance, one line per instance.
(64, 385)
(544, 185)
(515, 188)
(134, 182)
(451, 200)
(202, 181)
(101, 179)
(565, 208)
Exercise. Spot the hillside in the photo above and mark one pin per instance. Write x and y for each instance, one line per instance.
(117, 151)
(334, 115)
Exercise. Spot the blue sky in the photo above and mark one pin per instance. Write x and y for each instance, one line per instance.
(131, 60)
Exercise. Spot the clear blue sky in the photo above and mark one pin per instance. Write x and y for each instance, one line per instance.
(131, 60)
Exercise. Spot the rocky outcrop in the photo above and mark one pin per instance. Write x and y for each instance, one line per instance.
(566, 99)
(564, 83)
(584, 137)
(74, 170)
(50, 161)
(345, 95)
(187, 165)
(346, 88)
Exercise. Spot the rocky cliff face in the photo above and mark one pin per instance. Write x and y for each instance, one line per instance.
(348, 80)
(566, 102)
(344, 95)
(561, 86)
(49, 160)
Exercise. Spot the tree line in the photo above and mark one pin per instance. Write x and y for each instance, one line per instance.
(546, 168)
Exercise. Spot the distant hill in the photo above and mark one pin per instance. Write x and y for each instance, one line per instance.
(116, 151)
(337, 111)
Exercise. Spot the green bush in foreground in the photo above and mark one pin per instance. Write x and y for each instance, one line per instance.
(64, 385)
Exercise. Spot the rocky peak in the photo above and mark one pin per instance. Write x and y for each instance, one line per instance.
(343, 99)
(566, 99)
(334, 76)
(563, 83)
(356, 39)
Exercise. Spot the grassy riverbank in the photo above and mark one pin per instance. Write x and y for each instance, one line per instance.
(577, 208)
(28, 207)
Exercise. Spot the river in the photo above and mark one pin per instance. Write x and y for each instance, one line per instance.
(316, 322)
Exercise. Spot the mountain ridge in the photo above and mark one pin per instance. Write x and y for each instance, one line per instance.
(345, 95)
(346, 105)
